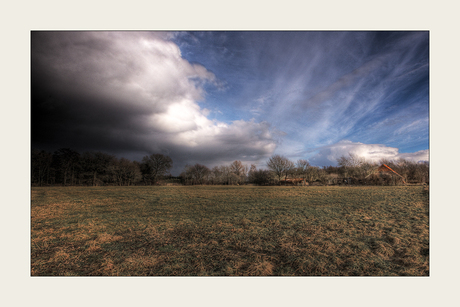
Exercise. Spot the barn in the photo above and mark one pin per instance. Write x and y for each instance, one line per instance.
(385, 175)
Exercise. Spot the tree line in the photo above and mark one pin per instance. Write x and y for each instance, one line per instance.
(68, 167)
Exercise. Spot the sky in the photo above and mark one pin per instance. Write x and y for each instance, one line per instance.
(213, 97)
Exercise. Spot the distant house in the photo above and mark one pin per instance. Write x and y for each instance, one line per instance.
(386, 173)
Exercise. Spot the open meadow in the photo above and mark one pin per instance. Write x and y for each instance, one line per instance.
(230, 231)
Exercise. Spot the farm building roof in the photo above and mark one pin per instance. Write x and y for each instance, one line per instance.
(386, 169)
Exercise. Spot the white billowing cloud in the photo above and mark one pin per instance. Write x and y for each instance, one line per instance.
(241, 140)
(328, 155)
(145, 72)
(421, 155)
(188, 127)
(159, 75)
(179, 117)
(144, 69)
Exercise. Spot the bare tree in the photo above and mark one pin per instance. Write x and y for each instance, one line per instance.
(96, 166)
(261, 177)
(215, 175)
(125, 172)
(352, 165)
(154, 166)
(352, 160)
(196, 174)
(237, 167)
(423, 171)
(65, 161)
(41, 165)
(251, 173)
(200, 173)
(312, 174)
(227, 175)
(280, 166)
(289, 169)
(412, 171)
(276, 163)
(240, 170)
(302, 169)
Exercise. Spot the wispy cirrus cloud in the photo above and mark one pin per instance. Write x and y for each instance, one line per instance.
(335, 85)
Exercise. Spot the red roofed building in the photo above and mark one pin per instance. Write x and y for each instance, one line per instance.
(386, 174)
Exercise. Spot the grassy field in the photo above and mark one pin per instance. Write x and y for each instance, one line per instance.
(229, 231)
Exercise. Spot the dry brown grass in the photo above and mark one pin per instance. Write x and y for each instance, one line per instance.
(260, 268)
(233, 231)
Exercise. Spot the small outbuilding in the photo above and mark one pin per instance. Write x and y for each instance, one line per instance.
(385, 175)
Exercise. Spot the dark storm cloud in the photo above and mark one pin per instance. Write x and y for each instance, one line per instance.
(131, 93)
